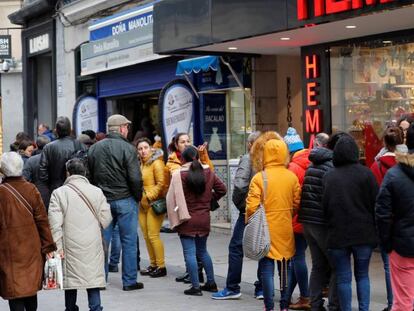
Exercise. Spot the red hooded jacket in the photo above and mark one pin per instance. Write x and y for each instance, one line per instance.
(382, 165)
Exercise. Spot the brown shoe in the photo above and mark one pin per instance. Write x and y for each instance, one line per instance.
(303, 303)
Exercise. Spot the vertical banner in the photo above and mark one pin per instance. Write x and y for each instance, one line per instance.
(176, 103)
(85, 114)
(214, 129)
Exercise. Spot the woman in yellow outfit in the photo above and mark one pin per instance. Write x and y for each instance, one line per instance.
(179, 142)
(152, 170)
(270, 154)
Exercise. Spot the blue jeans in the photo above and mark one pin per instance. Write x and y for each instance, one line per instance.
(386, 261)
(341, 259)
(94, 299)
(193, 248)
(267, 267)
(125, 215)
(298, 272)
(116, 248)
(234, 271)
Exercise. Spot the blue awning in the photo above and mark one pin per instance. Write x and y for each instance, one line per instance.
(205, 63)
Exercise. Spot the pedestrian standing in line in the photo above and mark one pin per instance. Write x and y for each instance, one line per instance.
(392, 138)
(78, 212)
(25, 149)
(395, 214)
(152, 170)
(114, 168)
(32, 166)
(282, 196)
(44, 129)
(349, 196)
(25, 237)
(19, 138)
(52, 170)
(178, 143)
(242, 178)
(298, 272)
(199, 186)
(312, 217)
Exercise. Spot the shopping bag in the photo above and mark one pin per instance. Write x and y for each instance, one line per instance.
(53, 275)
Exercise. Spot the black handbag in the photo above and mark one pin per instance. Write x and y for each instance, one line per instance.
(214, 205)
(159, 206)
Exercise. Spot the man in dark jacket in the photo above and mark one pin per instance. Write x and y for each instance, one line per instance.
(395, 214)
(242, 179)
(350, 190)
(32, 167)
(52, 171)
(114, 168)
(312, 217)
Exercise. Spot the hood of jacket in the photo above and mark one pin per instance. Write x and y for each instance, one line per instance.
(320, 155)
(156, 154)
(301, 158)
(387, 160)
(269, 150)
(346, 151)
(406, 161)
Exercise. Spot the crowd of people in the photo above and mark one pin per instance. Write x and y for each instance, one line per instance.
(83, 200)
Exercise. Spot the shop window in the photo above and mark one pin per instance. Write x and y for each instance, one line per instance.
(372, 86)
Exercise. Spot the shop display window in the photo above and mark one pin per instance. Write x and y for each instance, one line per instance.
(372, 86)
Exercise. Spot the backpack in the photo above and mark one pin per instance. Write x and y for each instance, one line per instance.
(81, 154)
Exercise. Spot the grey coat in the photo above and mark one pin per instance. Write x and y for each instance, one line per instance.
(242, 180)
(76, 231)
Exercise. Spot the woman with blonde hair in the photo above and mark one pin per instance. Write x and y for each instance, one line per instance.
(152, 170)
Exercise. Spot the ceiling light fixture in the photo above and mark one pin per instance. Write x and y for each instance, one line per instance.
(285, 38)
(350, 27)
(387, 41)
(233, 48)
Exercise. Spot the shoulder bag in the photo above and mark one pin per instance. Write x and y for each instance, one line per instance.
(256, 237)
(23, 202)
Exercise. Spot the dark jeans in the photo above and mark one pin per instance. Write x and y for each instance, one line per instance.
(23, 304)
(94, 299)
(322, 272)
(193, 248)
(234, 271)
(125, 214)
(386, 261)
(116, 248)
(267, 267)
(298, 272)
(341, 258)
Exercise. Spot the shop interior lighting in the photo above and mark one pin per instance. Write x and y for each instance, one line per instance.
(387, 41)
(285, 38)
(232, 48)
(350, 26)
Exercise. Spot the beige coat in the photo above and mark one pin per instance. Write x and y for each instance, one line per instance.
(76, 230)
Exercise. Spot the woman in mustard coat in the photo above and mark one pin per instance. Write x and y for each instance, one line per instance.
(152, 170)
(270, 154)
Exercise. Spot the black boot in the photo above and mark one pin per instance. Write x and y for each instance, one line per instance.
(182, 277)
(148, 270)
(159, 272)
(192, 291)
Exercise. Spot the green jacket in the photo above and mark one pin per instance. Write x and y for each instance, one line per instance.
(114, 168)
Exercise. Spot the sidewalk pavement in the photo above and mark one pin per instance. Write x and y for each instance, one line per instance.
(166, 294)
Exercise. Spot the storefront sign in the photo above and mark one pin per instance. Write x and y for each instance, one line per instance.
(214, 126)
(176, 104)
(313, 113)
(39, 44)
(85, 114)
(327, 7)
(5, 46)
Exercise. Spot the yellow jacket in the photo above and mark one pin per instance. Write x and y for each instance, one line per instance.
(152, 170)
(174, 163)
(282, 194)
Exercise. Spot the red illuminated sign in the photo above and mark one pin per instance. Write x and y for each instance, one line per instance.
(313, 117)
(326, 7)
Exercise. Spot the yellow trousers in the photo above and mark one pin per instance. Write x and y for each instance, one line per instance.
(150, 225)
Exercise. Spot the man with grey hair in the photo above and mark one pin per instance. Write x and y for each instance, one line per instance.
(242, 179)
(32, 166)
(321, 140)
(114, 168)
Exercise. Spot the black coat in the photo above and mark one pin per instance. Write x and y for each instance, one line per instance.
(311, 211)
(114, 167)
(395, 207)
(349, 196)
(52, 171)
(31, 171)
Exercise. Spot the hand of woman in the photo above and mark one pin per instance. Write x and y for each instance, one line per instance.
(50, 255)
(202, 147)
(62, 254)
